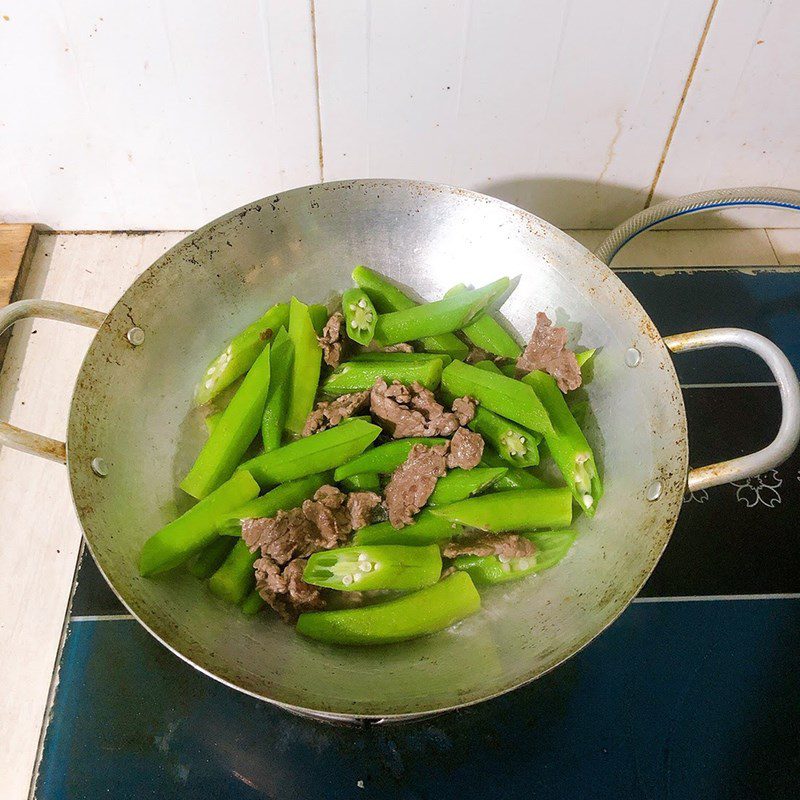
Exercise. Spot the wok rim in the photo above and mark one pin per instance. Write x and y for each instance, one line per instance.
(376, 718)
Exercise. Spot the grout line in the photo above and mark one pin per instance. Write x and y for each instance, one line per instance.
(681, 103)
(772, 246)
(719, 597)
(745, 385)
(316, 87)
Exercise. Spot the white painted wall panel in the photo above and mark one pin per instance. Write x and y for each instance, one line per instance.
(740, 125)
(154, 114)
(560, 107)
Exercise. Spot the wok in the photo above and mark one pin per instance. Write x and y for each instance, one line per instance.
(132, 434)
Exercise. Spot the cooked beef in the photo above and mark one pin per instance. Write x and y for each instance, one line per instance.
(400, 347)
(319, 524)
(504, 545)
(284, 589)
(332, 339)
(360, 506)
(547, 350)
(464, 409)
(413, 482)
(466, 449)
(414, 411)
(328, 414)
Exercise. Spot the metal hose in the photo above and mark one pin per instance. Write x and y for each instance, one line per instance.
(690, 204)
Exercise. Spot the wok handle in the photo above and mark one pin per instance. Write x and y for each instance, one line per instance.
(789, 432)
(11, 435)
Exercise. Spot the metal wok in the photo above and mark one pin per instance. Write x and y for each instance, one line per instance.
(132, 434)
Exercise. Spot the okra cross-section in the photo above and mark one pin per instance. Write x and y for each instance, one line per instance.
(505, 396)
(441, 316)
(383, 459)
(417, 614)
(514, 510)
(359, 315)
(192, 531)
(551, 547)
(390, 566)
(357, 376)
(316, 453)
(567, 444)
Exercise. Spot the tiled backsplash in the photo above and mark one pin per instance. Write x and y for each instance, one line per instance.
(163, 115)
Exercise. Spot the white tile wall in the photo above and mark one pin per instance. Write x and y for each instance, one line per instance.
(166, 113)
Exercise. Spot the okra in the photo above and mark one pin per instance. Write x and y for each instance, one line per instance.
(305, 366)
(402, 358)
(240, 354)
(356, 376)
(488, 366)
(319, 316)
(567, 444)
(514, 510)
(515, 477)
(509, 370)
(459, 484)
(316, 453)
(281, 498)
(188, 534)
(551, 547)
(507, 397)
(441, 316)
(389, 566)
(235, 578)
(362, 482)
(425, 528)
(208, 560)
(515, 444)
(487, 333)
(212, 420)
(252, 604)
(383, 459)
(417, 614)
(584, 357)
(359, 315)
(273, 420)
(386, 297)
(236, 429)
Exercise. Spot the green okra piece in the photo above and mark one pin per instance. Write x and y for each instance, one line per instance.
(517, 478)
(584, 357)
(378, 566)
(488, 366)
(235, 578)
(179, 540)
(207, 561)
(305, 366)
(514, 510)
(362, 482)
(507, 397)
(359, 315)
(440, 316)
(281, 498)
(459, 484)
(252, 604)
(509, 370)
(402, 358)
(551, 547)
(235, 431)
(567, 444)
(487, 333)
(425, 528)
(212, 420)
(316, 453)
(357, 376)
(319, 317)
(386, 297)
(416, 614)
(273, 421)
(240, 354)
(383, 459)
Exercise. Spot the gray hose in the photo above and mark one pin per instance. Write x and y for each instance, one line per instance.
(690, 204)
